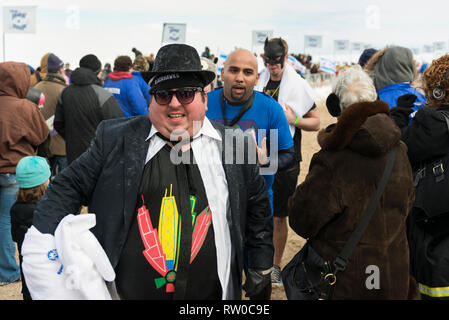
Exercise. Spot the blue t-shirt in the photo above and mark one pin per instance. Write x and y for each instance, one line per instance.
(265, 113)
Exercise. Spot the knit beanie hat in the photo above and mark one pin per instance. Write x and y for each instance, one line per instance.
(91, 62)
(32, 171)
(366, 55)
(54, 63)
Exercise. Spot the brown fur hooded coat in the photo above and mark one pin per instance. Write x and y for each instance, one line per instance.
(342, 179)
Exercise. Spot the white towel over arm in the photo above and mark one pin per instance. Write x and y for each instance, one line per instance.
(71, 265)
(293, 91)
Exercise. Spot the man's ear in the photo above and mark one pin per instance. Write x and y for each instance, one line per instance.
(262, 55)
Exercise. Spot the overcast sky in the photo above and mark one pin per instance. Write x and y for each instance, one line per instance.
(110, 28)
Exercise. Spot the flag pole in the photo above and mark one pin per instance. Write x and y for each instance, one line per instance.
(4, 50)
(163, 31)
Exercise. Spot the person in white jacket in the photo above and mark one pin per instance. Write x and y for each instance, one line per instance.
(279, 80)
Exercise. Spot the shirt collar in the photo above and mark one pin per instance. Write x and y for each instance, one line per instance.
(207, 130)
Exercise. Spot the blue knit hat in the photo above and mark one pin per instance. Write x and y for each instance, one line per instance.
(32, 172)
(54, 63)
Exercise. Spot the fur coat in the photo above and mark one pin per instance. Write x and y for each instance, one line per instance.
(342, 179)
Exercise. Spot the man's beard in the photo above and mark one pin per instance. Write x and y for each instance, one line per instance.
(240, 97)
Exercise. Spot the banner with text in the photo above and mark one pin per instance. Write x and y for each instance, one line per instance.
(427, 48)
(259, 36)
(19, 19)
(341, 45)
(312, 41)
(174, 33)
(439, 46)
(356, 46)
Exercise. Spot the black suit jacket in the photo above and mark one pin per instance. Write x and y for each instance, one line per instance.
(106, 178)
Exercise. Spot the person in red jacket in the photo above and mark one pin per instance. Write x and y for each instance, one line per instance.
(125, 88)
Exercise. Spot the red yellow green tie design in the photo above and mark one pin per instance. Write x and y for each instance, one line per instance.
(162, 245)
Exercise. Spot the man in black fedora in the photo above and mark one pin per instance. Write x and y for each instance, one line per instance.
(172, 212)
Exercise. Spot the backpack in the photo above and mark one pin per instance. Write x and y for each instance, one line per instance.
(431, 181)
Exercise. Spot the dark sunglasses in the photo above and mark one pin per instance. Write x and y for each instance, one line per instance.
(184, 96)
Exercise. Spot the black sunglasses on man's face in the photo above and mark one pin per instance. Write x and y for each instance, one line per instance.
(184, 96)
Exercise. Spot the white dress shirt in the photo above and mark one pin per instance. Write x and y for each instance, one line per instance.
(206, 146)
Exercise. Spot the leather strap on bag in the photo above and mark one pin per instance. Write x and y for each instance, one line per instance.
(342, 259)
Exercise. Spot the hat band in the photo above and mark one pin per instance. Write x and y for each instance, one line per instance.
(166, 77)
(177, 80)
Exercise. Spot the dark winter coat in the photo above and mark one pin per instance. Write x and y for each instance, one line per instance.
(427, 136)
(107, 177)
(342, 179)
(427, 139)
(21, 220)
(80, 109)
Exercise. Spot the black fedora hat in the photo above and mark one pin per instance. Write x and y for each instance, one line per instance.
(178, 59)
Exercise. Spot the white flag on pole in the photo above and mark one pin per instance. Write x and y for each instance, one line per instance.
(357, 46)
(439, 46)
(427, 48)
(312, 41)
(174, 33)
(341, 45)
(19, 19)
(259, 36)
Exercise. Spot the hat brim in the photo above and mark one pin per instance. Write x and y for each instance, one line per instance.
(208, 76)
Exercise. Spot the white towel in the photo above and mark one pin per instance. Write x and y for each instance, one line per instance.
(71, 265)
(293, 90)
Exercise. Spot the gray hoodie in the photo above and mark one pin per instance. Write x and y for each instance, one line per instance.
(395, 66)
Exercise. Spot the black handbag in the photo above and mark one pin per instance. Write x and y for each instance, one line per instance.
(308, 276)
(432, 183)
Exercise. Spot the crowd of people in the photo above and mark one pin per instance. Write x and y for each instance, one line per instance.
(190, 176)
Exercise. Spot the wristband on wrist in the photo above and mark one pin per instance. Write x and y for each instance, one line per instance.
(296, 121)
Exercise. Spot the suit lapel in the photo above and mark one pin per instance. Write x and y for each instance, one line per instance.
(229, 169)
(233, 215)
(136, 149)
(231, 178)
